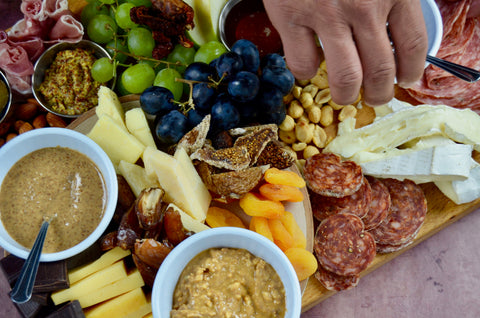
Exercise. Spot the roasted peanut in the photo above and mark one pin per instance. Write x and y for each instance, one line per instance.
(323, 96)
(334, 105)
(310, 151)
(288, 124)
(295, 109)
(306, 100)
(296, 91)
(303, 82)
(319, 137)
(299, 146)
(326, 117)
(288, 98)
(348, 111)
(314, 114)
(311, 89)
(303, 132)
(287, 137)
(320, 80)
(303, 119)
(323, 66)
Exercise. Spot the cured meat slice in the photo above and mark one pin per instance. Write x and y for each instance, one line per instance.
(379, 205)
(342, 246)
(406, 214)
(332, 281)
(326, 174)
(390, 248)
(357, 203)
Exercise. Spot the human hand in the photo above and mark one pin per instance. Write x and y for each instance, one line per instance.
(355, 42)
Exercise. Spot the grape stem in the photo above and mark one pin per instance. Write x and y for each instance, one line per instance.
(138, 57)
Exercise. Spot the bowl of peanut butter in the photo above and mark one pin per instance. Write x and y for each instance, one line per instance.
(56, 174)
(226, 272)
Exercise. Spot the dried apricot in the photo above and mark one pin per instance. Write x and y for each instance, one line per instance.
(218, 217)
(281, 192)
(286, 177)
(304, 262)
(289, 222)
(260, 225)
(255, 204)
(281, 237)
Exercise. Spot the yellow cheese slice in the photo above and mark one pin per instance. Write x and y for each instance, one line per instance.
(137, 125)
(119, 306)
(136, 177)
(109, 104)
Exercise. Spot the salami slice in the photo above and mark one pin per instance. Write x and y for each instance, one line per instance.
(342, 246)
(332, 281)
(379, 205)
(390, 248)
(357, 203)
(406, 214)
(326, 174)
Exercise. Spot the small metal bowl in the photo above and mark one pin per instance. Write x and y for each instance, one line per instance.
(46, 59)
(6, 107)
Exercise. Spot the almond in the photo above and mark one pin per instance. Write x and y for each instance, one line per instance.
(18, 124)
(55, 121)
(5, 127)
(25, 127)
(10, 136)
(25, 111)
(40, 121)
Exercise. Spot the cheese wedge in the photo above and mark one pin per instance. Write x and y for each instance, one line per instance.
(107, 259)
(179, 179)
(109, 104)
(463, 191)
(442, 163)
(136, 177)
(137, 125)
(91, 283)
(189, 223)
(119, 306)
(116, 141)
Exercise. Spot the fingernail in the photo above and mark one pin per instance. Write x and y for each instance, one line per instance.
(406, 85)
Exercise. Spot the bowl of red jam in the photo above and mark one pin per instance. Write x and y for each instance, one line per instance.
(247, 19)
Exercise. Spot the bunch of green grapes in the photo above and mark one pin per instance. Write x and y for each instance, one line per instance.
(108, 22)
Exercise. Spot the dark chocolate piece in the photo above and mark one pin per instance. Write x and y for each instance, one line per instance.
(29, 309)
(71, 309)
(51, 276)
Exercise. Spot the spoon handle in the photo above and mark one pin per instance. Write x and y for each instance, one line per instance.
(22, 291)
(460, 71)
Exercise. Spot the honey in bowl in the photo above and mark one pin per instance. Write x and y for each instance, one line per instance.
(53, 182)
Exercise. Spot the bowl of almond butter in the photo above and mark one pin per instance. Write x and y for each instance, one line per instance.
(226, 272)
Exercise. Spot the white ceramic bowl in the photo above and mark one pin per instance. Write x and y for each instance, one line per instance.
(35, 139)
(173, 265)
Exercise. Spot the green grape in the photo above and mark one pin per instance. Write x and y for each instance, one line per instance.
(92, 9)
(103, 70)
(140, 42)
(120, 45)
(119, 88)
(101, 28)
(209, 51)
(122, 16)
(145, 3)
(107, 1)
(137, 78)
(183, 55)
(166, 78)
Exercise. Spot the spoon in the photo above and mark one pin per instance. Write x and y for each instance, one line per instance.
(460, 71)
(22, 291)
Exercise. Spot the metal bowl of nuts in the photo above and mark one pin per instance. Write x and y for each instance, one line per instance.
(5, 96)
(62, 82)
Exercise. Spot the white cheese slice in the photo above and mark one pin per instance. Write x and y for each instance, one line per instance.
(109, 104)
(189, 223)
(409, 123)
(463, 191)
(442, 163)
(180, 185)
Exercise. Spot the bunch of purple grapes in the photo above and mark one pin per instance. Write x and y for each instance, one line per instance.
(238, 89)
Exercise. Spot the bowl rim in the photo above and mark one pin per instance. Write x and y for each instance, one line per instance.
(4, 112)
(73, 140)
(173, 265)
(39, 68)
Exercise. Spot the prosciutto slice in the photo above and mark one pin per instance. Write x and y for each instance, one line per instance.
(45, 23)
(460, 44)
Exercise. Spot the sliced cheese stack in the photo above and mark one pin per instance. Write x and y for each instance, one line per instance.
(422, 143)
(104, 288)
